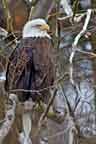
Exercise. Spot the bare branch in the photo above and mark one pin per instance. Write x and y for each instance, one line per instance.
(46, 111)
(75, 43)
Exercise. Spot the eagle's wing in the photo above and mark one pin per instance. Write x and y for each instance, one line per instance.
(15, 67)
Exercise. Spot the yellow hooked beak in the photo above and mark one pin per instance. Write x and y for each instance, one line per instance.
(45, 27)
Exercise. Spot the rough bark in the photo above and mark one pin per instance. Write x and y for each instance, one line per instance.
(41, 9)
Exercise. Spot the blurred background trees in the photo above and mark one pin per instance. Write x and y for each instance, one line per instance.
(80, 98)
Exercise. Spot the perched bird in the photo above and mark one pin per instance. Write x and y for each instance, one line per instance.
(30, 69)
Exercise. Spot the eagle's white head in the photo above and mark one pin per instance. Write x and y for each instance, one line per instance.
(36, 28)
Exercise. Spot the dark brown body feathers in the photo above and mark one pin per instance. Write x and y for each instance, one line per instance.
(31, 67)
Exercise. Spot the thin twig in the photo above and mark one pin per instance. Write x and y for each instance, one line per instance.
(92, 54)
(8, 18)
(46, 111)
(75, 8)
(62, 77)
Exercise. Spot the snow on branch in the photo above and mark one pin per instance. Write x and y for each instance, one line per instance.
(75, 43)
(67, 8)
(82, 32)
(9, 117)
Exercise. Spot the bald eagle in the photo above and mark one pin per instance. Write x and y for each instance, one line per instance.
(30, 70)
